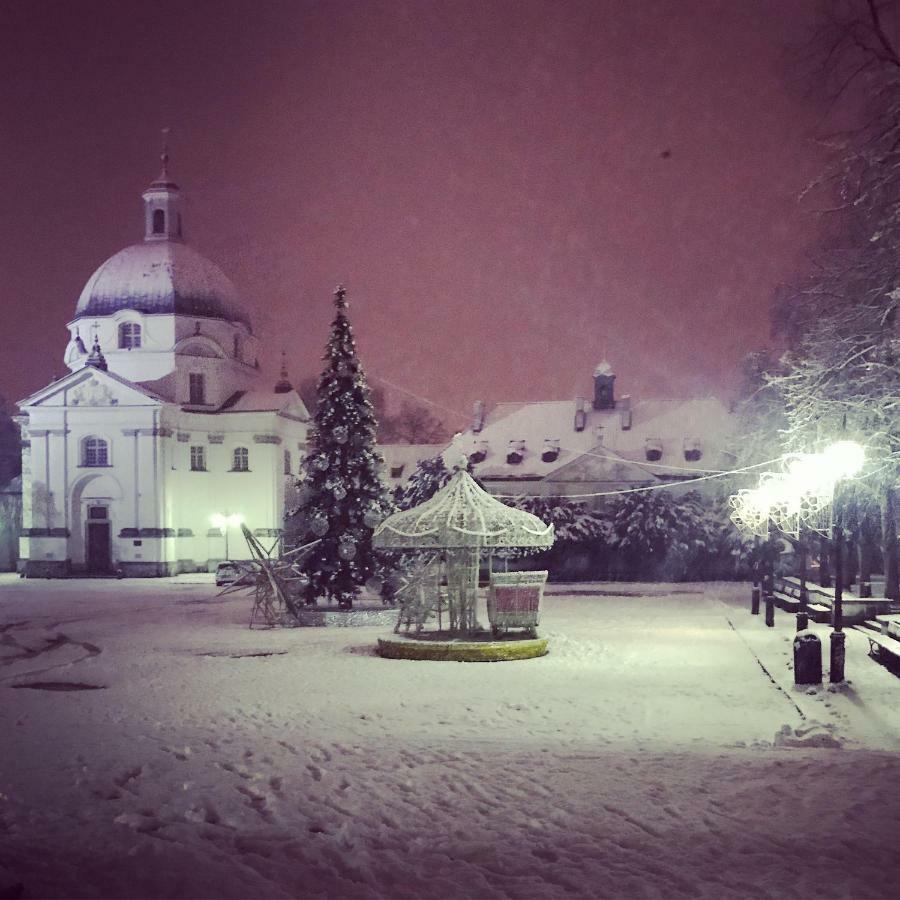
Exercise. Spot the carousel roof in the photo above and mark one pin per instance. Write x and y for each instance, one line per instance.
(461, 514)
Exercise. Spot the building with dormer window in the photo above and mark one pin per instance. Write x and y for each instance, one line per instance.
(163, 421)
(596, 445)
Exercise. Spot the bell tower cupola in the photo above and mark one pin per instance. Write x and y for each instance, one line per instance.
(162, 206)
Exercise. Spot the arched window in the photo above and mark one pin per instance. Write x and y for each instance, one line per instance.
(94, 452)
(129, 336)
(159, 221)
(241, 460)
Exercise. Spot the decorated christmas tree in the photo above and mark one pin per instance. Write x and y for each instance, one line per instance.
(340, 497)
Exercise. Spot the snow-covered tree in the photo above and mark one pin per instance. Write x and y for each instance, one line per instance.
(572, 521)
(340, 496)
(429, 476)
(664, 535)
(841, 377)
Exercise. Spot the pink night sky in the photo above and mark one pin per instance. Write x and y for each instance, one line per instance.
(511, 191)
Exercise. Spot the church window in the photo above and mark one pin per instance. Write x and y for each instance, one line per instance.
(94, 452)
(241, 460)
(287, 462)
(129, 336)
(196, 388)
(198, 458)
(159, 221)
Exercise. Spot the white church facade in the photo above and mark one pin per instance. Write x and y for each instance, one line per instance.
(142, 460)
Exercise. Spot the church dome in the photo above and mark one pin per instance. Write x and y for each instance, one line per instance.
(161, 276)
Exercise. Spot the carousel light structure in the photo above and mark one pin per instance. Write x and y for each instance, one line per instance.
(802, 496)
(459, 524)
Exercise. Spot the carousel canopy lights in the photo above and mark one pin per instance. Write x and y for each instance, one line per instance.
(801, 495)
(462, 515)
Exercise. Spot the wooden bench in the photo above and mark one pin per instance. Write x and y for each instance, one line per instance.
(821, 599)
(890, 625)
(884, 648)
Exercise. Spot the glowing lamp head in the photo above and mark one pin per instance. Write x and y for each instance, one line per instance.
(217, 520)
(844, 458)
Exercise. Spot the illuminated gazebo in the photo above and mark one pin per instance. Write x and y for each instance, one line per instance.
(460, 524)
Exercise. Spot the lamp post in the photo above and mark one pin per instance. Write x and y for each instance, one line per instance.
(792, 501)
(845, 459)
(223, 523)
(803, 611)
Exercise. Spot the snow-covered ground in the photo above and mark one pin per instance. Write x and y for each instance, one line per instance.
(638, 759)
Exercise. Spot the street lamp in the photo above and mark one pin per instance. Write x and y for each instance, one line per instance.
(223, 523)
(846, 459)
(803, 496)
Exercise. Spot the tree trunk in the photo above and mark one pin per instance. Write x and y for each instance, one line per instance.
(850, 562)
(824, 562)
(889, 545)
(865, 547)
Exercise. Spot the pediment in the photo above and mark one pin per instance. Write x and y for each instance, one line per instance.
(602, 464)
(90, 387)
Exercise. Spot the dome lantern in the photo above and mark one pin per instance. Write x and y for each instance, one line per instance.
(162, 204)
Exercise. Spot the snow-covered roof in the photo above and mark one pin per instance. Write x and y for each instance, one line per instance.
(266, 401)
(400, 460)
(161, 277)
(612, 445)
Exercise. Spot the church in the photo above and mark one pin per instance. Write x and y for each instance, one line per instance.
(163, 437)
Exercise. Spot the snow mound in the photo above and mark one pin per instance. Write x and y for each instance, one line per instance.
(810, 734)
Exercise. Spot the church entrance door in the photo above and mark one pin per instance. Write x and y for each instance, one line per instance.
(99, 550)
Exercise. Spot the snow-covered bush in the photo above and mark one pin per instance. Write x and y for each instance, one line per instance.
(581, 536)
(658, 534)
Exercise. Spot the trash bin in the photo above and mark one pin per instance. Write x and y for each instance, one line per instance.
(807, 658)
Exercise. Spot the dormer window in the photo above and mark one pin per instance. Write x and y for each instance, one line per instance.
(550, 453)
(129, 336)
(692, 449)
(516, 453)
(159, 221)
(653, 449)
(479, 454)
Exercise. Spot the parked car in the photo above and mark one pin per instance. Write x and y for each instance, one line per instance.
(227, 572)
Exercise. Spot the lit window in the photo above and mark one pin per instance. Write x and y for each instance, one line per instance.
(159, 221)
(241, 460)
(196, 389)
(129, 336)
(198, 458)
(95, 452)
